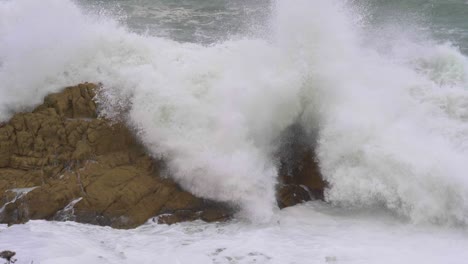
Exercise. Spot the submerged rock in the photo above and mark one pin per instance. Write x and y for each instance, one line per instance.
(62, 162)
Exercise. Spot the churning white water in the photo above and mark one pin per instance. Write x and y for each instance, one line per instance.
(312, 234)
(391, 128)
(390, 125)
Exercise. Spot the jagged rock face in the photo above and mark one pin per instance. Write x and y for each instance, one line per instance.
(61, 162)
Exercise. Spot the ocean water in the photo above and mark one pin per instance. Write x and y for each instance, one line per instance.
(311, 233)
(380, 88)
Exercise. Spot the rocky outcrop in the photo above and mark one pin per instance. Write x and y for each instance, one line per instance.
(62, 162)
(299, 178)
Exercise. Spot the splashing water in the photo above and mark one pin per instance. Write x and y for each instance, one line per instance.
(391, 125)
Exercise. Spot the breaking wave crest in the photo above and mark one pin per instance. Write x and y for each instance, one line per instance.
(390, 128)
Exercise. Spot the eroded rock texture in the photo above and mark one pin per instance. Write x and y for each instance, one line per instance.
(61, 162)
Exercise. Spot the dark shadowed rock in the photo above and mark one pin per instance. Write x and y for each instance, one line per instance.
(299, 176)
(8, 256)
(292, 194)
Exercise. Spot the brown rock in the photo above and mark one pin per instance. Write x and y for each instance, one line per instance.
(216, 214)
(73, 102)
(179, 216)
(212, 213)
(90, 170)
(84, 169)
(299, 174)
(292, 194)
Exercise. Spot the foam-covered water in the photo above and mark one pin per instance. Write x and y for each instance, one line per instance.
(386, 107)
(313, 233)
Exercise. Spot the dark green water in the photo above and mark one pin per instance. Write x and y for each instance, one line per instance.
(444, 20)
(207, 21)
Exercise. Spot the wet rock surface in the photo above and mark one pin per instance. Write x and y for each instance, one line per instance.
(62, 162)
(299, 177)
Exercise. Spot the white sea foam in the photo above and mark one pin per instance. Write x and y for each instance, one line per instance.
(391, 126)
(312, 233)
